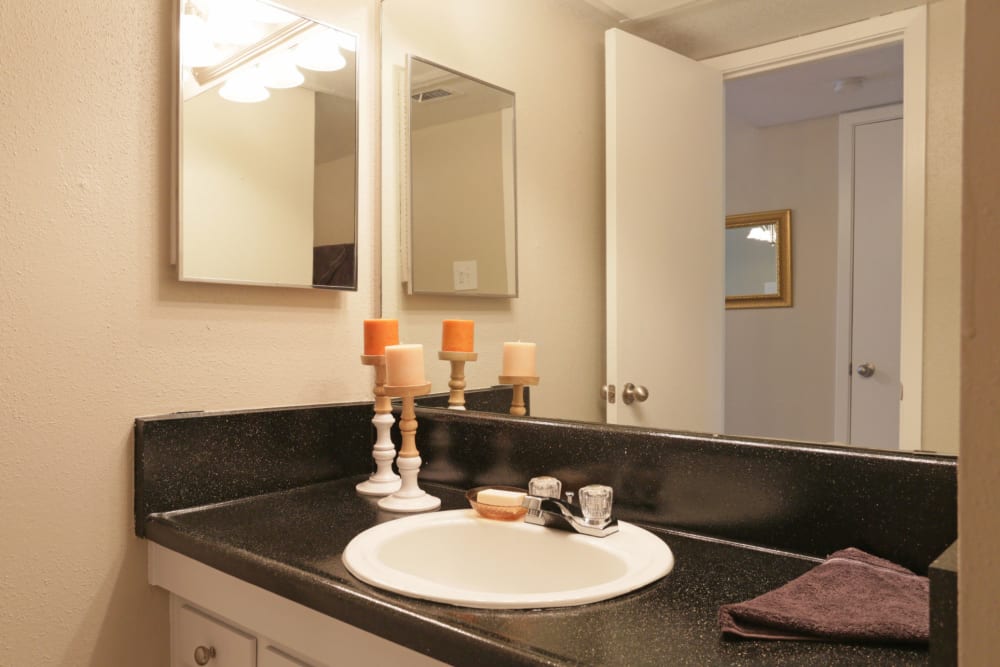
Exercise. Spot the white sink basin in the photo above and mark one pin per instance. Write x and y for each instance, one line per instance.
(459, 558)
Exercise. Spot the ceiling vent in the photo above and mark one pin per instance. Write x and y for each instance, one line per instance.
(435, 94)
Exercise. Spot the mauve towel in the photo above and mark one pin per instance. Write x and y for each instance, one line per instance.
(851, 596)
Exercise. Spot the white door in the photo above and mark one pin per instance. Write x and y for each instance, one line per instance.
(875, 313)
(665, 214)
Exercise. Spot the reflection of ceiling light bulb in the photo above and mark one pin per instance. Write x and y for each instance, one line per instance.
(197, 48)
(244, 86)
(849, 85)
(264, 13)
(320, 52)
(279, 71)
(766, 233)
(347, 42)
(230, 23)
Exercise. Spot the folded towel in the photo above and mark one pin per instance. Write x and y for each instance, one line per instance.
(851, 596)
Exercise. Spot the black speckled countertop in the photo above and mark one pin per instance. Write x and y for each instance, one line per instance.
(290, 542)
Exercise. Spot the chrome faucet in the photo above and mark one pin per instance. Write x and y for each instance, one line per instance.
(594, 518)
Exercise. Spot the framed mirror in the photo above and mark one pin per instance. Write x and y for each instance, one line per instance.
(266, 147)
(463, 203)
(759, 260)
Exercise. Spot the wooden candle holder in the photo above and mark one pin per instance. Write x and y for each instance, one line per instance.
(456, 397)
(383, 481)
(410, 497)
(517, 401)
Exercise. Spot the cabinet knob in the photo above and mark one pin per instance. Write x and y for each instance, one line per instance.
(203, 654)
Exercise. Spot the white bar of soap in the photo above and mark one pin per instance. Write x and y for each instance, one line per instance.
(500, 497)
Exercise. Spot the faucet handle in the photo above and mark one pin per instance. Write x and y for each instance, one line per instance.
(596, 501)
(544, 487)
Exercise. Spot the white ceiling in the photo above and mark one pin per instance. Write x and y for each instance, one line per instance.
(805, 91)
(636, 9)
(706, 28)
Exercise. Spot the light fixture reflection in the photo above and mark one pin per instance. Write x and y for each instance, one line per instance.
(244, 86)
(320, 52)
(197, 47)
(347, 42)
(279, 71)
(764, 233)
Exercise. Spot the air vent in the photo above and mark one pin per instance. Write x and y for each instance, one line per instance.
(428, 95)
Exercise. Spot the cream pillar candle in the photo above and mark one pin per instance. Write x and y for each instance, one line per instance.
(519, 360)
(404, 365)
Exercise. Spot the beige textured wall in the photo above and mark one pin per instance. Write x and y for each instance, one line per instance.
(557, 73)
(780, 361)
(979, 460)
(96, 329)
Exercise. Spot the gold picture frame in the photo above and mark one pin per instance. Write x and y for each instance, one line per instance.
(748, 261)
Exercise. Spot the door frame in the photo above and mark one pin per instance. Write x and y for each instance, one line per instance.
(909, 27)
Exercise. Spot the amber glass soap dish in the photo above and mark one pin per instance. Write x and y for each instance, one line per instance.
(496, 512)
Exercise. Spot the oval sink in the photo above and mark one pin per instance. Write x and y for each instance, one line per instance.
(459, 558)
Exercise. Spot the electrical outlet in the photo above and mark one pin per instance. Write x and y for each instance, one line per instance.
(466, 275)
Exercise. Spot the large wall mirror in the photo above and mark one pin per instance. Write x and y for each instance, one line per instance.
(267, 146)
(463, 206)
(783, 377)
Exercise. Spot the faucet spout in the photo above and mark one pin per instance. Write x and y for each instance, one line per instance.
(554, 513)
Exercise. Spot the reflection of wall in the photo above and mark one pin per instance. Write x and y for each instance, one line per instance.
(232, 231)
(557, 73)
(458, 201)
(334, 211)
(780, 361)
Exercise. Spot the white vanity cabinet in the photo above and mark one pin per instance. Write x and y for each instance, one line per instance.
(227, 622)
(271, 656)
(198, 639)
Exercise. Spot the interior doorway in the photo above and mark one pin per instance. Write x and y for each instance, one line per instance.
(901, 36)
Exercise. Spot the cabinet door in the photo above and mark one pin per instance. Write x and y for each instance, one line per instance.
(198, 639)
(274, 657)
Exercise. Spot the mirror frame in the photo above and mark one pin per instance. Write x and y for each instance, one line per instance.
(782, 219)
(407, 160)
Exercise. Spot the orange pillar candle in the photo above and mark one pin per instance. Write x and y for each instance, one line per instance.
(404, 365)
(519, 359)
(457, 335)
(378, 334)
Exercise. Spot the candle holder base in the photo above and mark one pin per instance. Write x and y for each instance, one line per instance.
(518, 383)
(422, 503)
(371, 487)
(383, 481)
(456, 397)
(410, 497)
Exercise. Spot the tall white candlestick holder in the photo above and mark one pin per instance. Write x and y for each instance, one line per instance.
(383, 481)
(456, 397)
(517, 400)
(410, 497)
